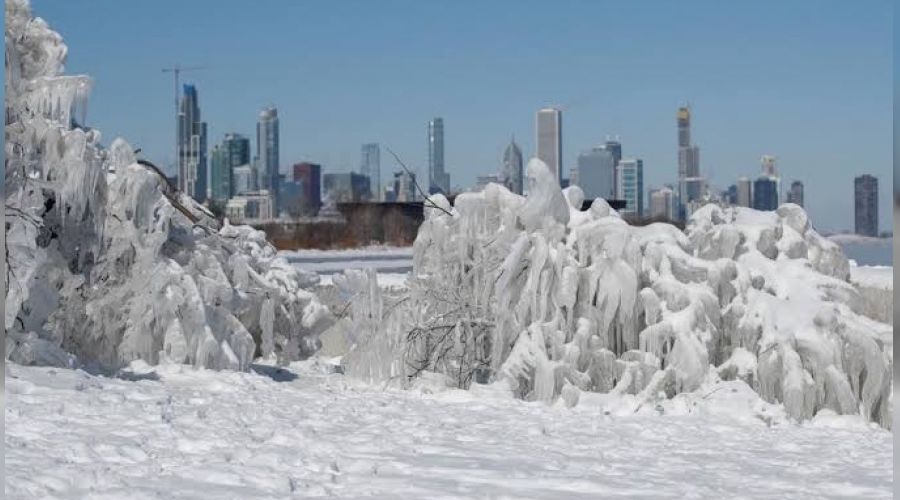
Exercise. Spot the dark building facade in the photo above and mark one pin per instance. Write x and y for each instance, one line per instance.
(865, 205)
(347, 187)
(309, 200)
(765, 194)
(795, 194)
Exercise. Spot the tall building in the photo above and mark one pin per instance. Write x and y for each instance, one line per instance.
(234, 152)
(630, 185)
(795, 194)
(615, 148)
(548, 127)
(221, 181)
(438, 178)
(267, 153)
(309, 177)
(512, 174)
(662, 203)
(865, 205)
(371, 168)
(765, 193)
(744, 192)
(192, 174)
(597, 174)
(690, 184)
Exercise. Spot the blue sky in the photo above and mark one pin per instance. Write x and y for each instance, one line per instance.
(809, 82)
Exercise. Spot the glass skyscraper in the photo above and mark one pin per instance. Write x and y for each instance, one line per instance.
(192, 174)
(630, 185)
(438, 178)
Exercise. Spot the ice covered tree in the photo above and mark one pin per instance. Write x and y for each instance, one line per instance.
(555, 301)
(106, 261)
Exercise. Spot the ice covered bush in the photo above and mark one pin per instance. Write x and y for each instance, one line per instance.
(555, 300)
(108, 263)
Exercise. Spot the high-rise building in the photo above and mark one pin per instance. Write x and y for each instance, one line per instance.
(234, 152)
(512, 174)
(662, 203)
(438, 178)
(865, 205)
(690, 183)
(615, 148)
(548, 127)
(795, 194)
(267, 153)
(192, 174)
(371, 168)
(765, 193)
(597, 173)
(309, 177)
(630, 185)
(744, 192)
(221, 180)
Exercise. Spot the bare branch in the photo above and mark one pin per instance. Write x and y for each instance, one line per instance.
(416, 183)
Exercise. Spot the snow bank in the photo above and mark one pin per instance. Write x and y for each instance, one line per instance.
(106, 269)
(556, 302)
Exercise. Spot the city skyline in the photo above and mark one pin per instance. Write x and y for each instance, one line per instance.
(779, 81)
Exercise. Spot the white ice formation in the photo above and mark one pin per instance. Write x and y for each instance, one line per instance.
(108, 263)
(555, 301)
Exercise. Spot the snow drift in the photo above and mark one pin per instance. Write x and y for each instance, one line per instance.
(108, 263)
(556, 301)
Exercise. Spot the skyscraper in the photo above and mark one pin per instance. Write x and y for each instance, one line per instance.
(615, 148)
(221, 178)
(548, 126)
(765, 193)
(795, 195)
(512, 167)
(690, 184)
(371, 168)
(192, 174)
(438, 178)
(597, 173)
(865, 205)
(630, 185)
(744, 192)
(309, 177)
(267, 153)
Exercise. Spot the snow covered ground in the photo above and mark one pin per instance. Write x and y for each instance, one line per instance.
(180, 433)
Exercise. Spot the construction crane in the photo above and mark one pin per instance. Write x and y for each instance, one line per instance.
(176, 71)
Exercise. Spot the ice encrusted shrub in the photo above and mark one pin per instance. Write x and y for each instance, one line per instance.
(108, 263)
(555, 301)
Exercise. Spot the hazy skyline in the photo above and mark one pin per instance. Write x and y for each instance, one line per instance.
(810, 84)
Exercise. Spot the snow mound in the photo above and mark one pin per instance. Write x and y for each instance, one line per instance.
(108, 263)
(506, 288)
